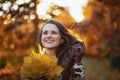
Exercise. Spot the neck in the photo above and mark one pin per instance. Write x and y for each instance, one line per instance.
(50, 52)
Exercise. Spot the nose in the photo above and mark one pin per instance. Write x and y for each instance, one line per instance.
(49, 35)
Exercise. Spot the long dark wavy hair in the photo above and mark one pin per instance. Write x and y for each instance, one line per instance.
(64, 52)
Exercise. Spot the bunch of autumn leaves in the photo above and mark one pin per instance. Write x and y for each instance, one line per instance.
(36, 64)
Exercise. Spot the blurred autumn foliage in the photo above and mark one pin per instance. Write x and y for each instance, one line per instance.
(100, 31)
(102, 28)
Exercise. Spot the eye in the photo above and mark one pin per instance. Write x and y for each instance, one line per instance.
(54, 32)
(45, 32)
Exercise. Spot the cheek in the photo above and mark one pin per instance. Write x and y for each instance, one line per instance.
(42, 38)
(58, 40)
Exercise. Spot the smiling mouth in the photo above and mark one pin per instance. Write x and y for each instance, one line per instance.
(49, 41)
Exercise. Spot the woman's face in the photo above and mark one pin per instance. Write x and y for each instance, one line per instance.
(51, 37)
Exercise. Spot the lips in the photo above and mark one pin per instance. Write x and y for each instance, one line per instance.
(49, 41)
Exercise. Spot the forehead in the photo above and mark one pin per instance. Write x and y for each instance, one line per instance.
(50, 26)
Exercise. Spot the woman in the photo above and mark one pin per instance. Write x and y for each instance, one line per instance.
(56, 40)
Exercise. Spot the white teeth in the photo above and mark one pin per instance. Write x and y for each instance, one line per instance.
(49, 41)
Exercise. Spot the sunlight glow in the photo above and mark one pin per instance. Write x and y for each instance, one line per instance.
(75, 7)
(6, 6)
(42, 8)
(19, 2)
(1, 13)
(75, 34)
(14, 7)
(32, 16)
(56, 12)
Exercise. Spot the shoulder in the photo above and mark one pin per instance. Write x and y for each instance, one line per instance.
(79, 51)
